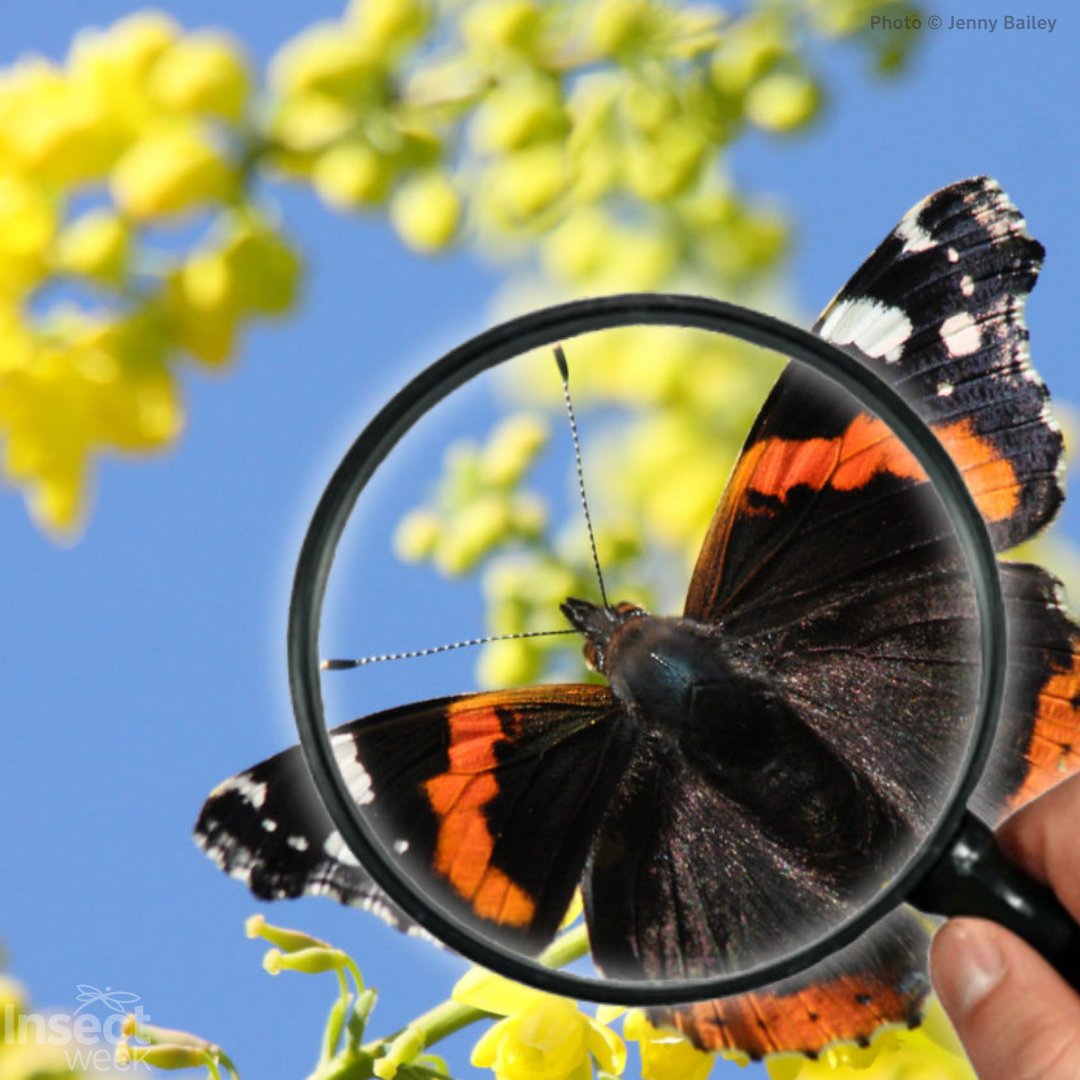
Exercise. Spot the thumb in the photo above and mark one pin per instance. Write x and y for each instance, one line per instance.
(1015, 1015)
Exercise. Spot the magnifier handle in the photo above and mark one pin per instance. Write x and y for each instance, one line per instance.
(973, 877)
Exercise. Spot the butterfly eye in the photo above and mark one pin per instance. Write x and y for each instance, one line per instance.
(629, 610)
(593, 658)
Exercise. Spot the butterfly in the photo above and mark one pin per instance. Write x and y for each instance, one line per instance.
(741, 777)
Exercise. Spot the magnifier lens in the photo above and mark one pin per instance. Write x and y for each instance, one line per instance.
(771, 737)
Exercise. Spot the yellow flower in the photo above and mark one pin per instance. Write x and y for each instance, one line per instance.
(109, 69)
(27, 226)
(53, 128)
(528, 181)
(501, 24)
(172, 168)
(95, 244)
(203, 73)
(351, 174)
(665, 1054)
(665, 164)
(416, 535)
(519, 111)
(471, 534)
(426, 211)
(783, 101)
(542, 1037)
(134, 43)
(325, 59)
(386, 26)
(575, 248)
(197, 319)
(508, 663)
(512, 448)
(250, 271)
(264, 270)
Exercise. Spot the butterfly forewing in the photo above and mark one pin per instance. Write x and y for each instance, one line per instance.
(487, 801)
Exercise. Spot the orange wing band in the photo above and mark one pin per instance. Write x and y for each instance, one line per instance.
(869, 448)
(464, 845)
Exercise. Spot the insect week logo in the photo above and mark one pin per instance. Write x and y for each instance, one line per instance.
(87, 1036)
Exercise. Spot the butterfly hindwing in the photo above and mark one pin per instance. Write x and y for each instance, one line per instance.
(879, 979)
(882, 978)
(267, 828)
(1038, 738)
(486, 800)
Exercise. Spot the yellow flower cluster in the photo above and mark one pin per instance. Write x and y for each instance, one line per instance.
(342, 120)
(138, 130)
(591, 132)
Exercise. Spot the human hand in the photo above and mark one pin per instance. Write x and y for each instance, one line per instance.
(1017, 1018)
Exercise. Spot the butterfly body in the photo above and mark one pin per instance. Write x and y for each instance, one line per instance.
(697, 705)
(757, 767)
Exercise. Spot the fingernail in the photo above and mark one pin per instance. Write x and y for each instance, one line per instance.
(968, 966)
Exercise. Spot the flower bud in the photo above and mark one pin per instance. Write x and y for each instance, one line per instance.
(287, 940)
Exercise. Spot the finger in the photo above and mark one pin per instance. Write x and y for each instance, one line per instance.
(1042, 838)
(1017, 1018)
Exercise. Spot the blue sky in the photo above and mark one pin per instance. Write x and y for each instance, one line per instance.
(146, 663)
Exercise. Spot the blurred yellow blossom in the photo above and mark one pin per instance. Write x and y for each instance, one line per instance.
(96, 245)
(323, 59)
(351, 174)
(783, 101)
(386, 26)
(28, 221)
(204, 73)
(173, 167)
(426, 211)
(591, 131)
(542, 1037)
(501, 24)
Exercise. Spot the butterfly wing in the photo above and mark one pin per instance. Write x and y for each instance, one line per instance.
(828, 551)
(879, 979)
(938, 311)
(488, 800)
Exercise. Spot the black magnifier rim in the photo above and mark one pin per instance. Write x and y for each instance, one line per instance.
(548, 327)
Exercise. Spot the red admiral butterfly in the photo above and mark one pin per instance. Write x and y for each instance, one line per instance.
(725, 786)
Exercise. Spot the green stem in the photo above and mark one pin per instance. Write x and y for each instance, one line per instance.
(451, 1016)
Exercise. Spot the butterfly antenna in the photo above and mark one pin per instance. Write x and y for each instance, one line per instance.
(564, 371)
(363, 661)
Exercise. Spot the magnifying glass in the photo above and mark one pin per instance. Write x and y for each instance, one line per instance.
(761, 779)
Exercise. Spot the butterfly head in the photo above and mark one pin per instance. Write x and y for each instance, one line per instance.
(597, 625)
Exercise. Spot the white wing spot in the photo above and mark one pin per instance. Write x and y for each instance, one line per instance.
(944, 389)
(961, 335)
(269, 824)
(356, 777)
(915, 237)
(336, 849)
(1047, 418)
(401, 846)
(252, 793)
(952, 255)
(300, 843)
(879, 330)
(967, 286)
